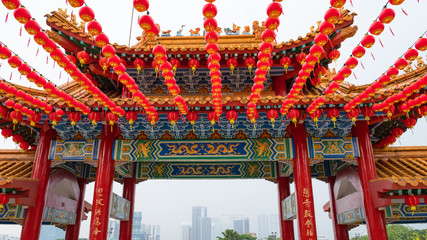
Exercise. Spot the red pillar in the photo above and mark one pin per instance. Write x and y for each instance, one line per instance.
(375, 221)
(279, 85)
(74, 230)
(303, 187)
(340, 230)
(103, 185)
(286, 227)
(129, 194)
(41, 171)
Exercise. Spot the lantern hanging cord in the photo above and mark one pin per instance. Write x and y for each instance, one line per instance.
(23, 61)
(405, 52)
(131, 24)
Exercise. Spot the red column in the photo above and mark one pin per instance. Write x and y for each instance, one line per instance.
(375, 221)
(303, 188)
(286, 227)
(41, 171)
(103, 185)
(74, 230)
(129, 194)
(279, 85)
(340, 230)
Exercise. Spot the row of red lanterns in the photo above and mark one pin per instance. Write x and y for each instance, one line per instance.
(41, 38)
(209, 12)
(119, 67)
(308, 62)
(17, 138)
(385, 17)
(274, 10)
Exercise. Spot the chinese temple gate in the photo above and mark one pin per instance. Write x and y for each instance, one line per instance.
(161, 110)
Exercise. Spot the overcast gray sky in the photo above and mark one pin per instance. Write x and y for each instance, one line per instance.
(169, 203)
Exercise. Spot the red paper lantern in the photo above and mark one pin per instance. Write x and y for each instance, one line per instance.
(212, 117)
(24, 69)
(139, 64)
(101, 40)
(387, 15)
(358, 51)
(22, 15)
(11, 4)
(376, 28)
(16, 117)
(268, 36)
(14, 61)
(108, 51)
(351, 62)
(192, 117)
(285, 62)
(94, 118)
(320, 71)
(83, 57)
(294, 114)
(332, 15)
(337, 3)
(392, 72)
(334, 55)
(345, 72)
(141, 5)
(131, 116)
(272, 115)
(367, 112)
(50, 46)
(193, 64)
(397, 132)
(272, 24)
(396, 2)
(5, 53)
(210, 25)
(401, 63)
(316, 51)
(421, 44)
(232, 63)
(301, 58)
(249, 63)
(368, 41)
(412, 201)
(211, 37)
(94, 28)
(120, 69)
(86, 14)
(321, 39)
(6, 132)
(333, 113)
(74, 117)
(411, 54)
(231, 116)
(112, 119)
(211, 48)
(209, 11)
(114, 61)
(24, 145)
(326, 28)
(410, 122)
(32, 27)
(353, 114)
(76, 3)
(146, 23)
(274, 10)
(17, 138)
(159, 51)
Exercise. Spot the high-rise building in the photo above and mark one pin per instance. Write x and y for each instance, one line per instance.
(206, 228)
(51, 232)
(186, 231)
(196, 224)
(263, 226)
(227, 221)
(274, 224)
(215, 228)
(241, 225)
(137, 226)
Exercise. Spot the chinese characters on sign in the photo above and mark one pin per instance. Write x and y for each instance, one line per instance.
(98, 211)
(308, 214)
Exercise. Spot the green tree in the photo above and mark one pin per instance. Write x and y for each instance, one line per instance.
(247, 237)
(400, 232)
(229, 235)
(272, 237)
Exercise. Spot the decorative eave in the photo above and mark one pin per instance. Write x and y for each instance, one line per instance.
(244, 43)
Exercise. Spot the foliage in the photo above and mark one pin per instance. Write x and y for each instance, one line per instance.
(229, 235)
(273, 237)
(247, 237)
(400, 232)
